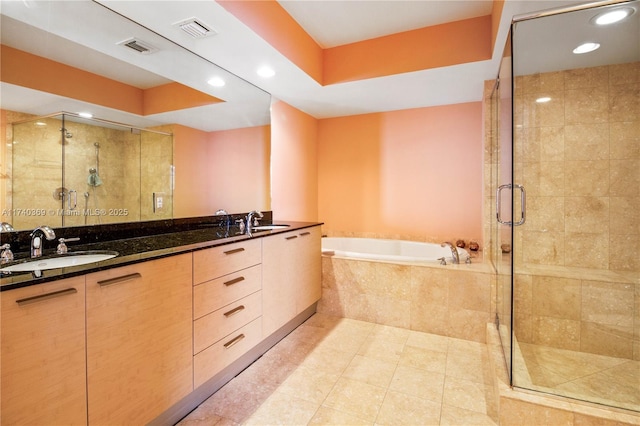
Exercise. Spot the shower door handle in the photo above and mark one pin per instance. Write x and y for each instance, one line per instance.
(75, 199)
(523, 202)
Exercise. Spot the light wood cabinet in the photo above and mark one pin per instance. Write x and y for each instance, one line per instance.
(43, 378)
(139, 340)
(291, 276)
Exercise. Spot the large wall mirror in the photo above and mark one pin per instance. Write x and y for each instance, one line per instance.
(172, 134)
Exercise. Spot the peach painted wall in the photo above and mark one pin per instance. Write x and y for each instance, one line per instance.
(220, 170)
(239, 167)
(413, 174)
(294, 167)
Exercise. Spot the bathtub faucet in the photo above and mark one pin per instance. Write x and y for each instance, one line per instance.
(454, 251)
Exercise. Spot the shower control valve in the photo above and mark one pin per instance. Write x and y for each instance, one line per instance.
(62, 246)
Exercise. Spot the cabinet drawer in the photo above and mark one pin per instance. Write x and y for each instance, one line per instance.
(214, 326)
(218, 261)
(214, 294)
(212, 360)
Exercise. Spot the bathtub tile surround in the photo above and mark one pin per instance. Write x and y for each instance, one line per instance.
(339, 371)
(452, 300)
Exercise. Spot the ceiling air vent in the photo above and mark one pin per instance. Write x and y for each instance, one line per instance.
(138, 45)
(195, 28)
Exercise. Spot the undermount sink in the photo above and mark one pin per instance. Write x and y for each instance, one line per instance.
(60, 261)
(268, 227)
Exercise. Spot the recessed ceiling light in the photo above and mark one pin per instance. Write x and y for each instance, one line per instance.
(216, 82)
(613, 16)
(40, 123)
(543, 99)
(85, 114)
(586, 48)
(266, 71)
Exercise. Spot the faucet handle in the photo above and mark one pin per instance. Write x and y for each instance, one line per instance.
(442, 260)
(7, 255)
(468, 260)
(62, 247)
(240, 223)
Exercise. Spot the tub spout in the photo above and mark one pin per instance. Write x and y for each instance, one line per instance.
(454, 252)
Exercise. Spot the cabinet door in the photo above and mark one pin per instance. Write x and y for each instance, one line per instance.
(139, 340)
(309, 268)
(278, 281)
(291, 274)
(43, 354)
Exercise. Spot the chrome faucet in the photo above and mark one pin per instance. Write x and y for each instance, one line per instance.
(251, 217)
(454, 252)
(6, 227)
(36, 239)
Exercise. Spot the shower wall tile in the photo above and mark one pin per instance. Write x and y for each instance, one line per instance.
(556, 332)
(523, 307)
(625, 140)
(586, 106)
(541, 144)
(586, 78)
(624, 255)
(556, 297)
(586, 214)
(587, 250)
(545, 214)
(586, 142)
(544, 114)
(623, 102)
(624, 73)
(586, 178)
(541, 83)
(549, 248)
(625, 178)
(624, 216)
(544, 178)
(608, 303)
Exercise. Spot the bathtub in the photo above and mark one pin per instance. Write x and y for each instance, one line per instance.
(388, 250)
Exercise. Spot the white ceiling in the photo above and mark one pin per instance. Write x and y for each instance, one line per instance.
(238, 49)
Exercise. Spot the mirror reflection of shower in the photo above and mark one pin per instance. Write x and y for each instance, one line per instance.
(93, 180)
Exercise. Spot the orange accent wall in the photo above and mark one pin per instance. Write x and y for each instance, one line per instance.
(430, 47)
(294, 167)
(27, 70)
(413, 173)
(172, 97)
(35, 72)
(271, 22)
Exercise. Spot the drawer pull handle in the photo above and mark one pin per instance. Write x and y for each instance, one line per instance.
(304, 234)
(291, 237)
(118, 280)
(234, 311)
(47, 296)
(233, 281)
(233, 341)
(238, 250)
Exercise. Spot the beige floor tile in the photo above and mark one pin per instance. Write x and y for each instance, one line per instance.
(283, 409)
(309, 384)
(454, 416)
(328, 360)
(392, 334)
(419, 383)
(202, 417)
(465, 394)
(370, 370)
(329, 417)
(403, 409)
(354, 397)
(425, 359)
(468, 366)
(381, 348)
(428, 341)
(237, 400)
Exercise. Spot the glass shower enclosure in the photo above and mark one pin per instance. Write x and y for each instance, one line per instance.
(572, 326)
(73, 171)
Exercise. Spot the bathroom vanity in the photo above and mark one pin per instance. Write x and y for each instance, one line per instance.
(147, 336)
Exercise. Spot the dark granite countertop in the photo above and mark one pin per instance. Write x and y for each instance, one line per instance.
(140, 249)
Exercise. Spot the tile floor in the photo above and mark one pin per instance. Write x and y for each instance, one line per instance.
(337, 371)
(597, 378)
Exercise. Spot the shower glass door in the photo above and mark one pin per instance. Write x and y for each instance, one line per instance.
(576, 284)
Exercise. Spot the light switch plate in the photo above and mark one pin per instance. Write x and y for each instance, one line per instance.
(158, 202)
